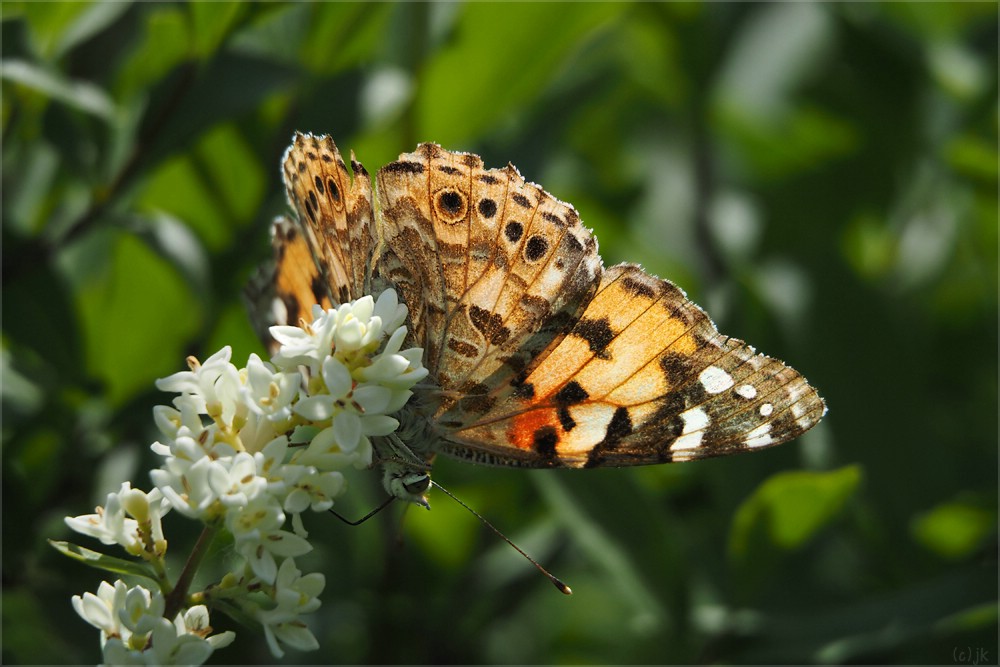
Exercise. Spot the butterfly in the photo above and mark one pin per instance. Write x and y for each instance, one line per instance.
(538, 355)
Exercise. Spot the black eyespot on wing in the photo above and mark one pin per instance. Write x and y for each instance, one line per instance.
(450, 201)
(487, 208)
(513, 231)
(536, 248)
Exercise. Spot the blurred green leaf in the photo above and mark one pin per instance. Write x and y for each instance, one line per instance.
(191, 100)
(165, 41)
(96, 17)
(211, 22)
(870, 246)
(954, 529)
(629, 582)
(790, 508)
(81, 95)
(804, 139)
(524, 54)
(975, 157)
(48, 21)
(137, 315)
(217, 187)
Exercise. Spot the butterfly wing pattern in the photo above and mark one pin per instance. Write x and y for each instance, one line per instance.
(538, 356)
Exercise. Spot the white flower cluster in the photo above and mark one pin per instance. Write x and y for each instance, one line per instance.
(135, 632)
(245, 449)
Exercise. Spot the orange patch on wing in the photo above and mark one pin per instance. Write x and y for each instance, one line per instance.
(297, 274)
(523, 426)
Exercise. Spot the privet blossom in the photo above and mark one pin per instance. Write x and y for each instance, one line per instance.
(245, 450)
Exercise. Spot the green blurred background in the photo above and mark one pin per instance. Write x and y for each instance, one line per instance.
(821, 177)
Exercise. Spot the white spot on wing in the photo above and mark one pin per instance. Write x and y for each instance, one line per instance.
(747, 391)
(760, 436)
(695, 421)
(766, 409)
(715, 380)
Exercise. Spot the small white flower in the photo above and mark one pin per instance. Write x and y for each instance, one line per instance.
(120, 519)
(109, 524)
(192, 490)
(390, 310)
(172, 420)
(257, 431)
(295, 592)
(214, 386)
(239, 485)
(268, 392)
(140, 610)
(101, 610)
(292, 633)
(195, 621)
(314, 489)
(170, 647)
(336, 449)
(293, 595)
(260, 554)
(307, 346)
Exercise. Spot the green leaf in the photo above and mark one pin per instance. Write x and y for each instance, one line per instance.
(975, 157)
(524, 55)
(954, 530)
(80, 95)
(97, 17)
(104, 562)
(211, 22)
(163, 44)
(137, 313)
(790, 508)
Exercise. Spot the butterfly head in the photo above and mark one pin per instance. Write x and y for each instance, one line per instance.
(406, 483)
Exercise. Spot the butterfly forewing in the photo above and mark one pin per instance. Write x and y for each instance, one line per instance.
(334, 213)
(494, 268)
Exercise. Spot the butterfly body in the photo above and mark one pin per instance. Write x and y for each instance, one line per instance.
(538, 356)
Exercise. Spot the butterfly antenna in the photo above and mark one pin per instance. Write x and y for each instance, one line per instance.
(360, 521)
(558, 583)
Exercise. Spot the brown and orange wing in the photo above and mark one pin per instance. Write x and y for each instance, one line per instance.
(643, 377)
(323, 256)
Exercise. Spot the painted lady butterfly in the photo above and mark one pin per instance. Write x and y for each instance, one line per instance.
(538, 356)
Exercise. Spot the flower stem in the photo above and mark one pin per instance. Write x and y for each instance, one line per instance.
(175, 599)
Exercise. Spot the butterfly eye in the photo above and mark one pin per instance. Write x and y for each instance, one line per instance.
(417, 484)
(450, 205)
